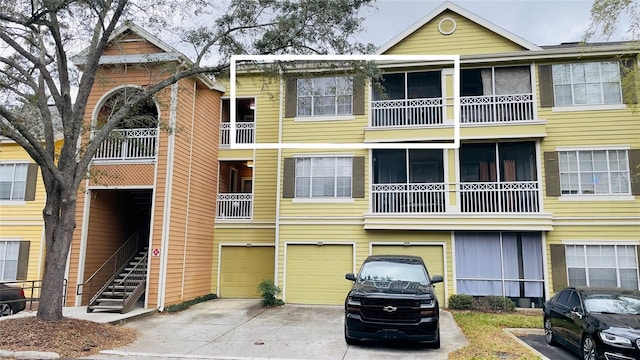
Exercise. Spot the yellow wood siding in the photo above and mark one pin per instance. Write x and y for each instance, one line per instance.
(468, 38)
(22, 220)
(315, 274)
(243, 268)
(265, 185)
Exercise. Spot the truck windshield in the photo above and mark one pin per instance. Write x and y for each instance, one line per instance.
(393, 271)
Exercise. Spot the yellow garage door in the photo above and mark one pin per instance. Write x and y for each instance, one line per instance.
(315, 273)
(243, 268)
(431, 255)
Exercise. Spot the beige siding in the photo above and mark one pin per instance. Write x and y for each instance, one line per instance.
(468, 38)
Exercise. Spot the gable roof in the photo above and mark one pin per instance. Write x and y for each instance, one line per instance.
(448, 5)
(168, 53)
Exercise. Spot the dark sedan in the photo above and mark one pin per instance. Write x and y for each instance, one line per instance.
(597, 323)
(12, 300)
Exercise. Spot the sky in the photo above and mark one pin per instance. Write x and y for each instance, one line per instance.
(542, 22)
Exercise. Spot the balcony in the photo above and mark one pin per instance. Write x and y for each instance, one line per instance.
(245, 133)
(128, 144)
(481, 197)
(407, 112)
(234, 206)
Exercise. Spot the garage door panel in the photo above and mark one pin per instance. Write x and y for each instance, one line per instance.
(431, 255)
(315, 274)
(243, 268)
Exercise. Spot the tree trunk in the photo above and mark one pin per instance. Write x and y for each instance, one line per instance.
(58, 236)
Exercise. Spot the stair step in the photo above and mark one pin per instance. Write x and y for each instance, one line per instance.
(106, 307)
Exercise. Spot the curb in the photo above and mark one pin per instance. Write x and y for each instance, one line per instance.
(515, 332)
(31, 355)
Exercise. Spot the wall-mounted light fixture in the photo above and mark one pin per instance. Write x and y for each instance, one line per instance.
(249, 163)
(252, 105)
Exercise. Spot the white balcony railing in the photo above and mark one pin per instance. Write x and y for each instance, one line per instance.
(407, 112)
(504, 197)
(408, 198)
(480, 197)
(129, 144)
(496, 108)
(234, 206)
(245, 133)
(473, 110)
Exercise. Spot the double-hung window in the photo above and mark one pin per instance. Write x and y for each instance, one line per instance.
(325, 96)
(9, 251)
(592, 83)
(323, 177)
(601, 172)
(602, 265)
(13, 181)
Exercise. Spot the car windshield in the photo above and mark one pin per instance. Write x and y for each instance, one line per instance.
(628, 304)
(393, 271)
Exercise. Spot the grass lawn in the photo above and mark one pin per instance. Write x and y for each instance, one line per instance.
(486, 338)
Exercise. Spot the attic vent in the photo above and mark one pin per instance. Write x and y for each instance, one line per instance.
(447, 26)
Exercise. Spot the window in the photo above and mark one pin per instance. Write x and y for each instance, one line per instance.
(594, 83)
(325, 96)
(594, 172)
(602, 265)
(317, 177)
(13, 181)
(9, 251)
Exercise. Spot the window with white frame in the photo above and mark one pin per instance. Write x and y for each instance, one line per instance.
(13, 181)
(9, 251)
(323, 177)
(602, 265)
(325, 96)
(600, 172)
(593, 83)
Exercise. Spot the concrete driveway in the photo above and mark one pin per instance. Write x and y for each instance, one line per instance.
(241, 329)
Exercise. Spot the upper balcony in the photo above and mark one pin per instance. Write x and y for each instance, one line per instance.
(235, 191)
(129, 145)
(245, 127)
(494, 102)
(497, 186)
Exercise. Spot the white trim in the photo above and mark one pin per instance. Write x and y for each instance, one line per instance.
(84, 238)
(592, 147)
(119, 187)
(445, 32)
(325, 200)
(13, 202)
(447, 5)
(123, 162)
(166, 216)
(595, 197)
(324, 118)
(573, 108)
(600, 241)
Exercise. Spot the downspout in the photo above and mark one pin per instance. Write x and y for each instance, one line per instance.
(166, 217)
(186, 237)
(278, 182)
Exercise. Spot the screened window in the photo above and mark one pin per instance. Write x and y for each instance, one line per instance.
(325, 96)
(9, 251)
(318, 177)
(594, 172)
(602, 265)
(594, 83)
(13, 181)
(502, 264)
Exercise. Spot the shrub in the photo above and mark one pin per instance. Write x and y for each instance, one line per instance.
(494, 304)
(461, 302)
(269, 292)
(186, 304)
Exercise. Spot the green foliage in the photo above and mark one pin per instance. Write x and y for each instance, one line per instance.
(494, 304)
(186, 304)
(269, 292)
(461, 302)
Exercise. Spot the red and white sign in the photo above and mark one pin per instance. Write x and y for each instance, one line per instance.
(155, 252)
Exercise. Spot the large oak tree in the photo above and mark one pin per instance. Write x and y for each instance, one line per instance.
(42, 94)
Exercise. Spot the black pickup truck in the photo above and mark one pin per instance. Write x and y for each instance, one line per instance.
(392, 298)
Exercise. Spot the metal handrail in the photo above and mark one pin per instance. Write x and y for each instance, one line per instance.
(107, 272)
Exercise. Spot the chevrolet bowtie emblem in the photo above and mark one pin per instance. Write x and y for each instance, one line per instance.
(390, 308)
